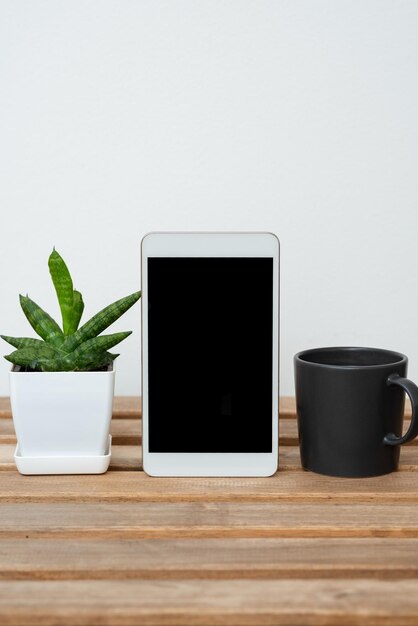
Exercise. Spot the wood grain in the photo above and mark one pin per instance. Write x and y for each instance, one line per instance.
(136, 486)
(7, 432)
(127, 407)
(126, 432)
(146, 520)
(209, 602)
(5, 410)
(123, 548)
(6, 457)
(60, 559)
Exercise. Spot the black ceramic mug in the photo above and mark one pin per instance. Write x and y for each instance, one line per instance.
(350, 405)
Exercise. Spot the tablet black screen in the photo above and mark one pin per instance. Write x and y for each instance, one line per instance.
(210, 352)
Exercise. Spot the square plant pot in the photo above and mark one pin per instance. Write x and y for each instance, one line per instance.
(62, 413)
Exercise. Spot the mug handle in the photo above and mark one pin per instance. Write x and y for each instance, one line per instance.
(412, 390)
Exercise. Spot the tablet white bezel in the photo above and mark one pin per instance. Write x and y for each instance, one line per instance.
(210, 244)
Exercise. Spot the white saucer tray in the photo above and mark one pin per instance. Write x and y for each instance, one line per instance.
(63, 464)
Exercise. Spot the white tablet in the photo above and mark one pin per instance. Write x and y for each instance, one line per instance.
(210, 354)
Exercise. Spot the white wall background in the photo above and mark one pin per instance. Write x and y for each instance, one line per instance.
(296, 116)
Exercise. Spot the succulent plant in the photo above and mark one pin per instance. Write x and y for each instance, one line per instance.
(69, 348)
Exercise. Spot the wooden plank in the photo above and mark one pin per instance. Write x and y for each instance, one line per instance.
(136, 486)
(7, 432)
(62, 559)
(6, 457)
(151, 520)
(287, 407)
(129, 458)
(5, 410)
(126, 458)
(209, 602)
(127, 407)
(126, 432)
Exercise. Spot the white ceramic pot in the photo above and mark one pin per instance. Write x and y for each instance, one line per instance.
(62, 413)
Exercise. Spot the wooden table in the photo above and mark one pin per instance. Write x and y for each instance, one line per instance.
(123, 548)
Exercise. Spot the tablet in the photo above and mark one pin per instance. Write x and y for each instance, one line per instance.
(210, 353)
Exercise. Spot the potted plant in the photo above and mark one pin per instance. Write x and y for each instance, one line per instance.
(61, 385)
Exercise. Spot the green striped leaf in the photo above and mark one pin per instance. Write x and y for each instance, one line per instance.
(31, 357)
(73, 348)
(76, 312)
(63, 286)
(99, 322)
(23, 342)
(58, 364)
(95, 360)
(70, 301)
(89, 362)
(41, 322)
(99, 344)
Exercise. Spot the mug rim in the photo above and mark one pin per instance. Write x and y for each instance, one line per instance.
(398, 357)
